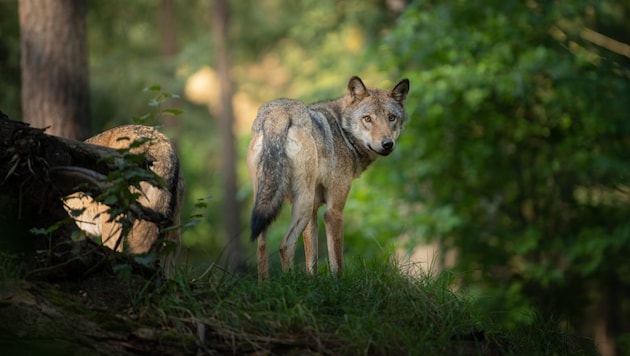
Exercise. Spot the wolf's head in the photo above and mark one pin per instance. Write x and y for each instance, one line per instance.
(375, 117)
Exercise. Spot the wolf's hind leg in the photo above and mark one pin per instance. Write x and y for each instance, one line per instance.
(263, 257)
(310, 244)
(300, 215)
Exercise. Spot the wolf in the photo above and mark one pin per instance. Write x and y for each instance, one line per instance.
(160, 152)
(309, 155)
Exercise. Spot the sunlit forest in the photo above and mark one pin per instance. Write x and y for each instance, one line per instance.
(512, 174)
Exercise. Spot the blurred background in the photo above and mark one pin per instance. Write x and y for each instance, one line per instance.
(513, 172)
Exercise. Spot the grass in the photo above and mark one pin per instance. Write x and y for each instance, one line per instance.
(373, 309)
(11, 266)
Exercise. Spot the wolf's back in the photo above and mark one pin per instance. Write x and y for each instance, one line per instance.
(273, 166)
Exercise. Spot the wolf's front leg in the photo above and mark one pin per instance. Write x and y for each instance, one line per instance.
(310, 244)
(334, 238)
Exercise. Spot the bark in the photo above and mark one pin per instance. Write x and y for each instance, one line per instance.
(231, 210)
(168, 29)
(55, 88)
(607, 321)
(167, 24)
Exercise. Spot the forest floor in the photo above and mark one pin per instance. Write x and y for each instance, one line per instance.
(372, 309)
(100, 314)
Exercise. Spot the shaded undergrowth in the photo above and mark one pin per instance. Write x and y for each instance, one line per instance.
(373, 309)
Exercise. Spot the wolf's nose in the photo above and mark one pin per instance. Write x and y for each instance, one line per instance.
(387, 143)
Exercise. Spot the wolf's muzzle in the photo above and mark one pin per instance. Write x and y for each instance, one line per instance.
(387, 145)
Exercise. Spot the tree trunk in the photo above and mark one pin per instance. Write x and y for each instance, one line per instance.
(167, 24)
(55, 88)
(168, 29)
(231, 211)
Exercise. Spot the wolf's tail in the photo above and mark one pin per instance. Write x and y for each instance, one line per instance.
(272, 178)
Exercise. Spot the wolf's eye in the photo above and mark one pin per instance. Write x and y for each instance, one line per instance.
(367, 118)
(392, 118)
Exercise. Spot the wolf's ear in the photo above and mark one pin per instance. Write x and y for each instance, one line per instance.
(399, 92)
(356, 89)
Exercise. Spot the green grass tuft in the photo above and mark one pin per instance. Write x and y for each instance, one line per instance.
(372, 309)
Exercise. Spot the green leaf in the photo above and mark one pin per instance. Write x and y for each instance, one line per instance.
(142, 119)
(147, 259)
(39, 231)
(172, 112)
(153, 88)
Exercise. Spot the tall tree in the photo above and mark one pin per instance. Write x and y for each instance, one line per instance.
(168, 28)
(55, 87)
(231, 211)
(10, 59)
(167, 23)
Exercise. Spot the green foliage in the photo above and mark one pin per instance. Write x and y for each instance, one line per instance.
(45, 256)
(12, 266)
(154, 117)
(517, 146)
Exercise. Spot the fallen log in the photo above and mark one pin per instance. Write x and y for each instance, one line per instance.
(36, 171)
(69, 298)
